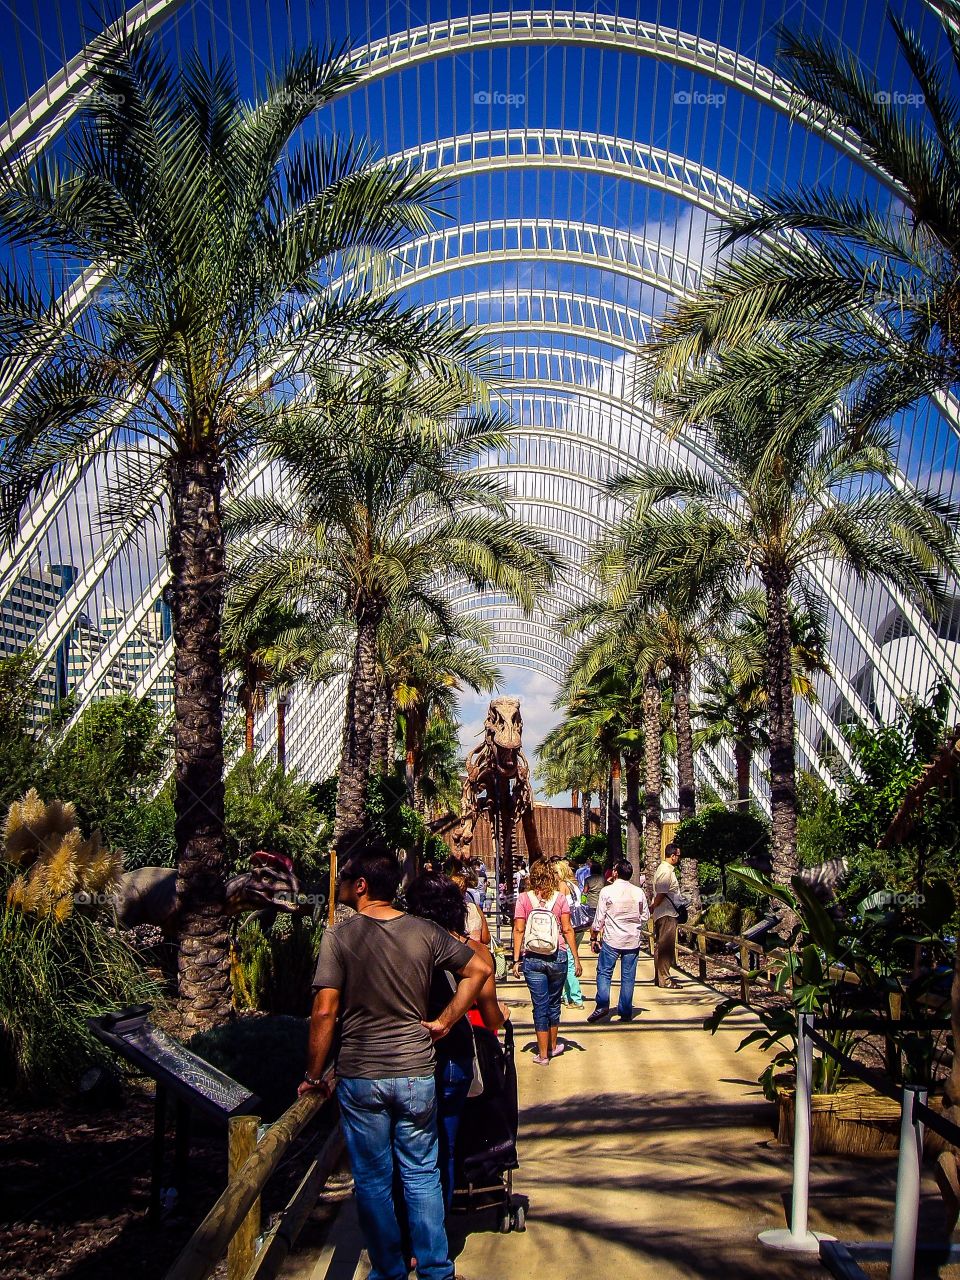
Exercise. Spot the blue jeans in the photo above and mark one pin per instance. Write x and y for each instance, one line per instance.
(383, 1121)
(453, 1084)
(628, 976)
(545, 978)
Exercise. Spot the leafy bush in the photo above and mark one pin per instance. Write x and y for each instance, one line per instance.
(591, 848)
(268, 1056)
(273, 968)
(267, 808)
(717, 838)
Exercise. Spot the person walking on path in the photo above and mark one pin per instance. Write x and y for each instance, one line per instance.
(666, 896)
(373, 984)
(440, 899)
(572, 994)
(616, 932)
(539, 952)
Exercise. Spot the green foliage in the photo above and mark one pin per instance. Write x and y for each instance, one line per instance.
(55, 975)
(851, 821)
(717, 837)
(728, 917)
(591, 848)
(273, 968)
(20, 748)
(107, 766)
(266, 1055)
(388, 813)
(876, 949)
(267, 808)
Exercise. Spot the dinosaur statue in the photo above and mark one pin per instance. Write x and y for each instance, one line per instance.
(149, 894)
(498, 783)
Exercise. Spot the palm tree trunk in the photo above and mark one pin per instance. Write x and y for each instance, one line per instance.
(780, 719)
(351, 812)
(653, 773)
(585, 812)
(686, 781)
(281, 732)
(248, 724)
(614, 833)
(742, 762)
(575, 798)
(603, 804)
(634, 811)
(196, 556)
(378, 754)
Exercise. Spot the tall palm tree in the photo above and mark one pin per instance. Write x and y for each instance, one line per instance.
(791, 496)
(568, 760)
(257, 648)
(380, 507)
(212, 225)
(878, 284)
(732, 705)
(429, 668)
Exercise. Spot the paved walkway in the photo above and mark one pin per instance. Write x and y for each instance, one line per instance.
(646, 1151)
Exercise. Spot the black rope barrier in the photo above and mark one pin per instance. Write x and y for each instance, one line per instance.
(922, 1113)
(934, 1120)
(870, 1078)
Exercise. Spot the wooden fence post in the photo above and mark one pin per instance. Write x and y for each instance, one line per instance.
(744, 966)
(702, 958)
(242, 1143)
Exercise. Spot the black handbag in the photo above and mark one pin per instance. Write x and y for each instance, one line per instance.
(683, 915)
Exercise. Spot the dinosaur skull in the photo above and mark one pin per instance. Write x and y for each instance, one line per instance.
(503, 728)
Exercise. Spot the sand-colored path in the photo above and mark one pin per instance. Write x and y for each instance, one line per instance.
(646, 1151)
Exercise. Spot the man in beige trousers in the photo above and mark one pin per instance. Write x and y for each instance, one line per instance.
(666, 895)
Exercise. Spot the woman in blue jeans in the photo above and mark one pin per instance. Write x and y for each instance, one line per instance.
(435, 897)
(545, 975)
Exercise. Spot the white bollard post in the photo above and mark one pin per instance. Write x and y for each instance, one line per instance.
(907, 1206)
(799, 1238)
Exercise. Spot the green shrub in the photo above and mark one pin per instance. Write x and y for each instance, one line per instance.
(717, 838)
(591, 848)
(722, 917)
(268, 1056)
(267, 808)
(273, 968)
(53, 976)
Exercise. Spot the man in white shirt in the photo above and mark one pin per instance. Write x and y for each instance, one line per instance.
(617, 929)
(666, 894)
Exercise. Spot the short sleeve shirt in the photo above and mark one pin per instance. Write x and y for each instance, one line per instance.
(383, 970)
(665, 881)
(525, 905)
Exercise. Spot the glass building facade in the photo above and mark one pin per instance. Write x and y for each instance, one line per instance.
(591, 153)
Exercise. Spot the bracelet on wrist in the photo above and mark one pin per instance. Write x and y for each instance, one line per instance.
(313, 1080)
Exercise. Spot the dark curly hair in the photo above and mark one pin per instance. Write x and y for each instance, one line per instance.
(437, 898)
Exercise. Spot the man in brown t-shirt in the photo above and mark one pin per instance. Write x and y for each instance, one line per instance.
(372, 983)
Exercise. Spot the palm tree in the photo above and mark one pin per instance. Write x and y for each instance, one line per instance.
(212, 225)
(878, 285)
(428, 669)
(568, 760)
(258, 648)
(732, 705)
(791, 495)
(380, 508)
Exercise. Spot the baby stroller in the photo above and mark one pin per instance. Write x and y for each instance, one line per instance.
(486, 1154)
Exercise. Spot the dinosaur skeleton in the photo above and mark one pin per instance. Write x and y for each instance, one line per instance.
(498, 783)
(149, 894)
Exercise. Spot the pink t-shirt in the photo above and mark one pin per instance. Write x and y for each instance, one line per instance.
(525, 905)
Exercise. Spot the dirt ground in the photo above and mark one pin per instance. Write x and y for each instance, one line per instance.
(77, 1188)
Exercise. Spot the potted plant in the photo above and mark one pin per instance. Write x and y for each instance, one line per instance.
(839, 969)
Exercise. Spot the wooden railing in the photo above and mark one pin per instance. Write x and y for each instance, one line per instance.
(232, 1226)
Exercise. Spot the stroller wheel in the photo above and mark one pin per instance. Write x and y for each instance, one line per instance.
(506, 1222)
(519, 1219)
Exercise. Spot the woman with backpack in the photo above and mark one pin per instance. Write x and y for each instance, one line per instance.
(579, 919)
(542, 936)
